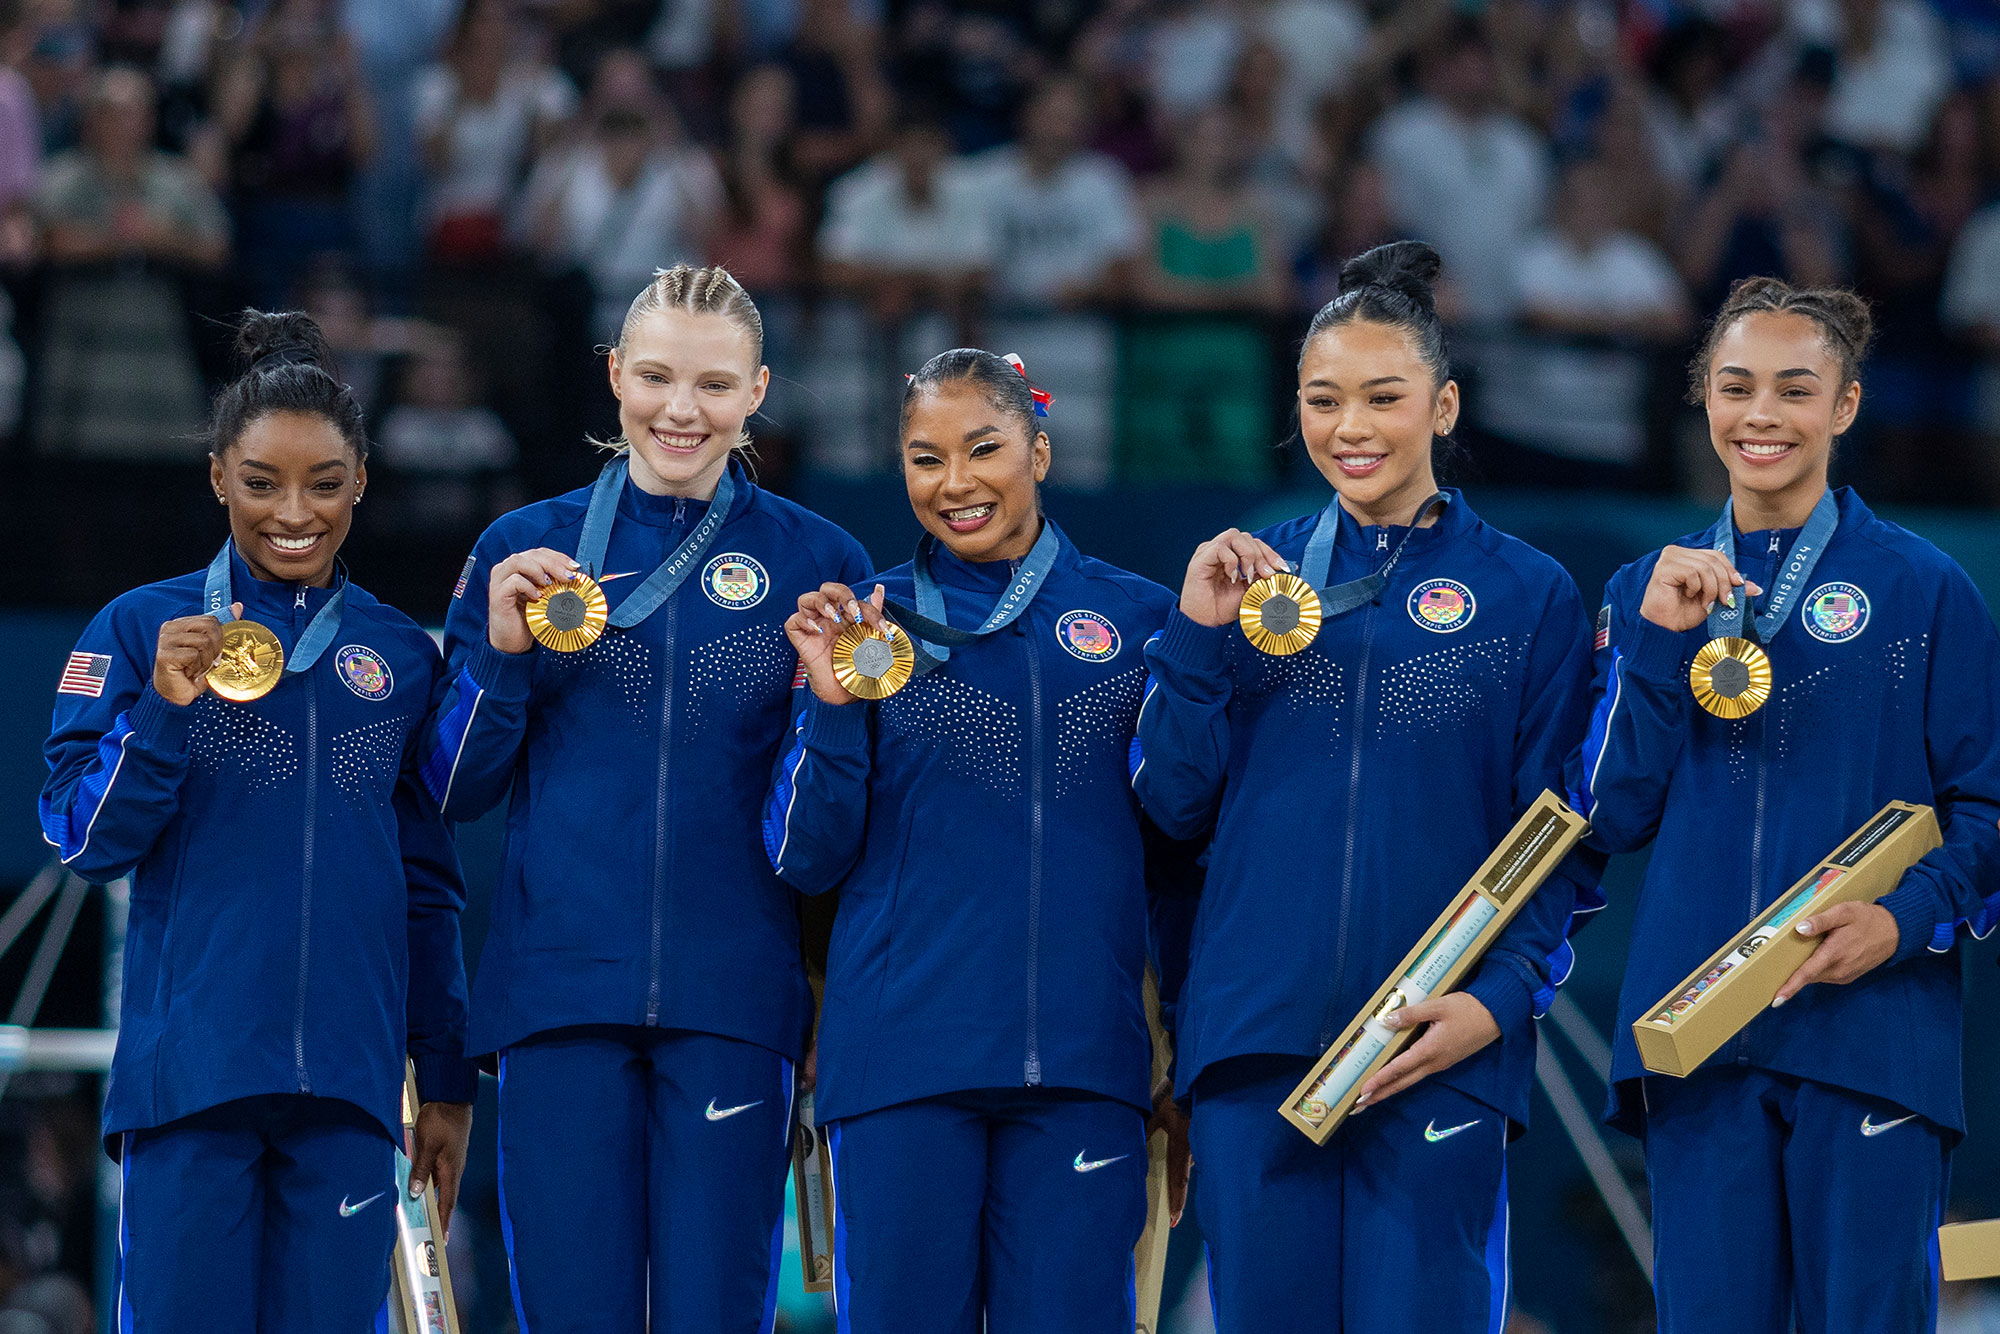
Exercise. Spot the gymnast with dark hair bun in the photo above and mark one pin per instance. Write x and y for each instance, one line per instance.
(1797, 1176)
(243, 743)
(1352, 779)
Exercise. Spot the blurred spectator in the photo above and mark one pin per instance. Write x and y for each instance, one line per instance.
(445, 452)
(20, 133)
(844, 103)
(629, 199)
(60, 67)
(482, 114)
(1064, 218)
(764, 234)
(1690, 116)
(1322, 45)
(1357, 219)
(1892, 67)
(1110, 57)
(1772, 207)
(973, 65)
(119, 220)
(293, 108)
(1210, 247)
(1465, 175)
(1192, 48)
(909, 228)
(1646, 197)
(361, 344)
(393, 40)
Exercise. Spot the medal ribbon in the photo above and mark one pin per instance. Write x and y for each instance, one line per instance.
(1318, 560)
(661, 583)
(931, 637)
(1793, 574)
(215, 600)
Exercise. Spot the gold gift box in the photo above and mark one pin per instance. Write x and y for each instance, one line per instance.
(1535, 846)
(421, 1301)
(1970, 1250)
(1717, 1000)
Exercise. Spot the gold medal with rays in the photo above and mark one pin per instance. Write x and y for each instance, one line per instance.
(569, 615)
(871, 664)
(1280, 614)
(1731, 677)
(251, 662)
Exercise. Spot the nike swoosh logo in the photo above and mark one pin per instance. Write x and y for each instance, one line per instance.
(1433, 1134)
(1869, 1128)
(1082, 1166)
(727, 1112)
(349, 1210)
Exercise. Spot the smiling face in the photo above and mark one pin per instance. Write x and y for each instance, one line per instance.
(1368, 411)
(290, 482)
(1775, 402)
(686, 382)
(972, 469)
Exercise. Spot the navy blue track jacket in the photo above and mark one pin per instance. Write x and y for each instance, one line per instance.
(635, 889)
(1354, 786)
(1884, 690)
(992, 866)
(295, 894)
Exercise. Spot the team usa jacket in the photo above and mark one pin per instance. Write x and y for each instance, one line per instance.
(990, 858)
(295, 894)
(1353, 787)
(1883, 690)
(634, 888)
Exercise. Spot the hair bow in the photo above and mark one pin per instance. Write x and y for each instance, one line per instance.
(1043, 398)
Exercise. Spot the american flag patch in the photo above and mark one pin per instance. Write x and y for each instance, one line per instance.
(1604, 626)
(799, 677)
(458, 589)
(84, 674)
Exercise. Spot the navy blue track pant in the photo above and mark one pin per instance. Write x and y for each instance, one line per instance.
(1012, 1211)
(1397, 1223)
(1778, 1199)
(643, 1171)
(274, 1214)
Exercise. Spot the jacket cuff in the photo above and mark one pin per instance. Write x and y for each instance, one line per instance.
(1192, 645)
(160, 724)
(1498, 987)
(1919, 920)
(1656, 653)
(502, 675)
(444, 1078)
(836, 726)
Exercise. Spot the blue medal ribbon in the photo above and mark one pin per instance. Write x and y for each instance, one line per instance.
(1318, 560)
(216, 597)
(673, 572)
(1793, 573)
(930, 635)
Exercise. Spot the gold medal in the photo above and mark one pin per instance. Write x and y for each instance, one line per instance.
(1280, 614)
(871, 664)
(1731, 677)
(569, 615)
(250, 663)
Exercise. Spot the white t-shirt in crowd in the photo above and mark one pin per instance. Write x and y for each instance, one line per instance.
(1972, 280)
(1887, 97)
(1473, 188)
(871, 220)
(1060, 231)
(1322, 42)
(488, 145)
(446, 440)
(1623, 276)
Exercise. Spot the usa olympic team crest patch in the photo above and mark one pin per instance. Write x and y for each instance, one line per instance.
(364, 671)
(1442, 605)
(1088, 635)
(1835, 613)
(735, 580)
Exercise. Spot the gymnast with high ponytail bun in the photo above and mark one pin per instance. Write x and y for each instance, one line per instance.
(958, 773)
(1352, 778)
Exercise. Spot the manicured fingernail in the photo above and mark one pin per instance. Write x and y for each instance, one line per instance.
(1805, 927)
(1776, 1003)
(854, 609)
(1729, 601)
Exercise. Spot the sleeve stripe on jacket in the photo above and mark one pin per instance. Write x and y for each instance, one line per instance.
(778, 810)
(1561, 964)
(1600, 733)
(60, 827)
(1135, 755)
(1980, 926)
(453, 728)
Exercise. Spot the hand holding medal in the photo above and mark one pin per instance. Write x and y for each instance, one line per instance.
(848, 648)
(1222, 571)
(1686, 583)
(532, 579)
(185, 656)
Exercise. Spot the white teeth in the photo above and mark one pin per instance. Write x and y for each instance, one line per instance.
(1764, 451)
(294, 543)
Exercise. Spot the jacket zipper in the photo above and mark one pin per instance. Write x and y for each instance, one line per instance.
(305, 891)
(1032, 1072)
(1327, 1031)
(660, 838)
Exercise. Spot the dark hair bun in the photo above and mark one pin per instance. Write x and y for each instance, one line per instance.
(267, 339)
(1406, 267)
